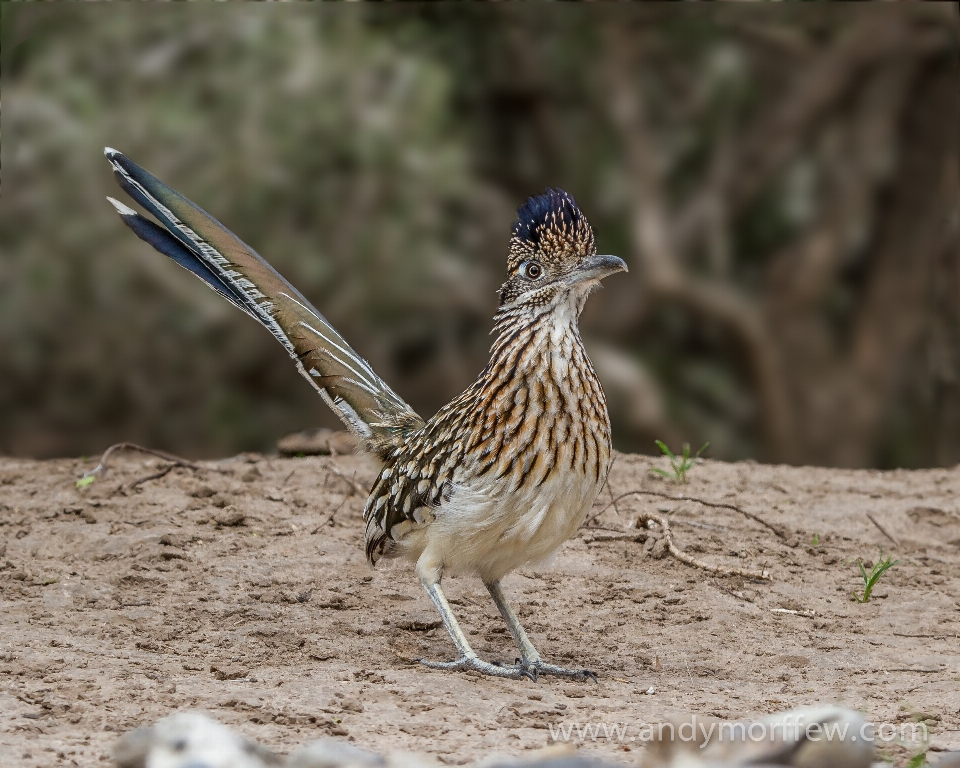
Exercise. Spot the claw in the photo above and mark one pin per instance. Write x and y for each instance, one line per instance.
(580, 675)
(534, 669)
(483, 667)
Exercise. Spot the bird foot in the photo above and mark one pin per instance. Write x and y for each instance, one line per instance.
(481, 666)
(537, 668)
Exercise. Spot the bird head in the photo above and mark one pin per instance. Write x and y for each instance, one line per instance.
(553, 253)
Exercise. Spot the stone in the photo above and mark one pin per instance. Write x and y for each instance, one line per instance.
(317, 442)
(190, 739)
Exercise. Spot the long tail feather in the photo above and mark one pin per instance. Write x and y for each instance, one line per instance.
(202, 245)
(168, 245)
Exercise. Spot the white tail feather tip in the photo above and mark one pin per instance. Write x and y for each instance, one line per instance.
(121, 208)
(110, 151)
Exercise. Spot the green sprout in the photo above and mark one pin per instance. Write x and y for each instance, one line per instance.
(870, 579)
(84, 481)
(815, 541)
(679, 464)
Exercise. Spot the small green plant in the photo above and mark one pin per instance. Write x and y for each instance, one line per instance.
(815, 541)
(84, 481)
(870, 579)
(680, 464)
(919, 760)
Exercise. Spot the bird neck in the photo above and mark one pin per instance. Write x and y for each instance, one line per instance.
(551, 327)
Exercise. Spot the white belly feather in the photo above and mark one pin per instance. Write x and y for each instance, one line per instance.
(488, 528)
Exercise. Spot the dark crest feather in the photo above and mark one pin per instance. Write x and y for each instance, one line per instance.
(533, 217)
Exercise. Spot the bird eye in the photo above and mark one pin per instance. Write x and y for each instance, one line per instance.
(531, 270)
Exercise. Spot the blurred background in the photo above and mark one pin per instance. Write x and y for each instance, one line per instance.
(783, 182)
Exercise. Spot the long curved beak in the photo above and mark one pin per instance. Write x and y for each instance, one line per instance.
(598, 267)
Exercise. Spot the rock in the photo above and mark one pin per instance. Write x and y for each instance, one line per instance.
(228, 672)
(190, 739)
(794, 738)
(251, 475)
(659, 549)
(350, 704)
(317, 442)
(330, 753)
(418, 622)
(178, 539)
(229, 517)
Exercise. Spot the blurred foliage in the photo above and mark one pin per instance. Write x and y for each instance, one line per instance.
(375, 155)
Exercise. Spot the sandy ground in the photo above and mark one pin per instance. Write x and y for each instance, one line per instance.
(241, 589)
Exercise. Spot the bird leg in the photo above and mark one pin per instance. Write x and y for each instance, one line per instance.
(529, 658)
(468, 657)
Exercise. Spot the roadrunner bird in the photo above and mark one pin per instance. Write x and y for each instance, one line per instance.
(499, 477)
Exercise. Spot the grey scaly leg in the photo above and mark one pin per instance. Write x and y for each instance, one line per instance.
(529, 658)
(468, 657)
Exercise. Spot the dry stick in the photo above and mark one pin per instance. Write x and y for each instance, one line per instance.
(349, 481)
(154, 476)
(924, 670)
(613, 501)
(287, 478)
(636, 537)
(330, 517)
(935, 637)
(882, 530)
(704, 526)
(683, 557)
(606, 482)
(738, 595)
(102, 466)
(176, 462)
(714, 504)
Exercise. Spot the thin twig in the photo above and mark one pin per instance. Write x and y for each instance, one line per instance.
(102, 466)
(329, 518)
(590, 522)
(803, 612)
(683, 557)
(924, 670)
(349, 481)
(153, 476)
(882, 530)
(606, 482)
(714, 504)
(933, 637)
(287, 478)
(737, 595)
(637, 537)
(704, 526)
